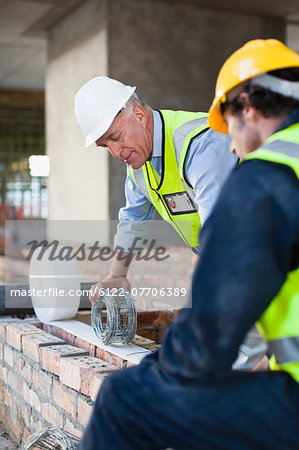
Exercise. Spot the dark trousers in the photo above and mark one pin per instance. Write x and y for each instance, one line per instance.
(141, 408)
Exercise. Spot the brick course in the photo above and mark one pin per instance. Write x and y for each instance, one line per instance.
(50, 356)
(76, 372)
(15, 331)
(45, 378)
(32, 343)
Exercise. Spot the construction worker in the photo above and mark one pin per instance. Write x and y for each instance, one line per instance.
(184, 396)
(167, 153)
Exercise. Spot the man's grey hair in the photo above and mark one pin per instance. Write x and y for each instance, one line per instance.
(132, 102)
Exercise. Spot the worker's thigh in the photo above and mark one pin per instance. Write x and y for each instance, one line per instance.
(139, 408)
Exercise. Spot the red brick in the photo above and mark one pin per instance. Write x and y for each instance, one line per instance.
(84, 411)
(51, 414)
(22, 366)
(31, 397)
(110, 358)
(26, 435)
(7, 398)
(3, 374)
(35, 322)
(50, 356)
(14, 428)
(3, 324)
(58, 332)
(76, 372)
(1, 371)
(14, 381)
(26, 414)
(8, 356)
(70, 428)
(26, 372)
(90, 348)
(95, 384)
(32, 343)
(164, 318)
(38, 325)
(42, 380)
(2, 331)
(15, 331)
(47, 328)
(36, 425)
(64, 398)
(2, 412)
(149, 333)
(146, 318)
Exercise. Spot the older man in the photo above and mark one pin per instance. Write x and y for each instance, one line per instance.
(185, 396)
(170, 155)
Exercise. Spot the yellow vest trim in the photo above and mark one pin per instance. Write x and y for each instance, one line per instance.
(164, 189)
(280, 322)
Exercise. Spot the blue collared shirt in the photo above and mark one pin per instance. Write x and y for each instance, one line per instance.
(209, 164)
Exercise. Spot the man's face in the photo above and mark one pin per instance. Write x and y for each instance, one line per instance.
(129, 138)
(244, 134)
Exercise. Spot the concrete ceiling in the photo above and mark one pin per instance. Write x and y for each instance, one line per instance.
(288, 9)
(24, 25)
(23, 28)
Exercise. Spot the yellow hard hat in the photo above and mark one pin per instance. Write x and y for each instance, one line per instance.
(254, 58)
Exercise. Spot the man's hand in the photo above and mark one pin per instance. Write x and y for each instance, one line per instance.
(109, 283)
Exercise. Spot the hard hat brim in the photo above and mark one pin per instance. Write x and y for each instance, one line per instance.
(216, 121)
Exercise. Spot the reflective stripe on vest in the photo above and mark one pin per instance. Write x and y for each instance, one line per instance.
(289, 148)
(280, 321)
(178, 130)
(179, 137)
(285, 350)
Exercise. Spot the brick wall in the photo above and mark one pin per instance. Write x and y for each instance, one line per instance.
(48, 376)
(45, 381)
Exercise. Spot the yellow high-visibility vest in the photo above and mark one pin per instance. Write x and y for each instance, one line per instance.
(279, 324)
(171, 193)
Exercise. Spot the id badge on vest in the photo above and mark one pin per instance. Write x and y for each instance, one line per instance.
(179, 203)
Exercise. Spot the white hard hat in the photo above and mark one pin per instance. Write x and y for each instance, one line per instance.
(97, 103)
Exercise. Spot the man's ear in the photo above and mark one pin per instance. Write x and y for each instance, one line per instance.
(249, 112)
(140, 114)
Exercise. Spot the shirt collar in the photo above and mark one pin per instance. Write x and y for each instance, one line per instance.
(290, 120)
(157, 135)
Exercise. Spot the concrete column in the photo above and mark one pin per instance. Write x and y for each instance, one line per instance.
(292, 39)
(78, 182)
